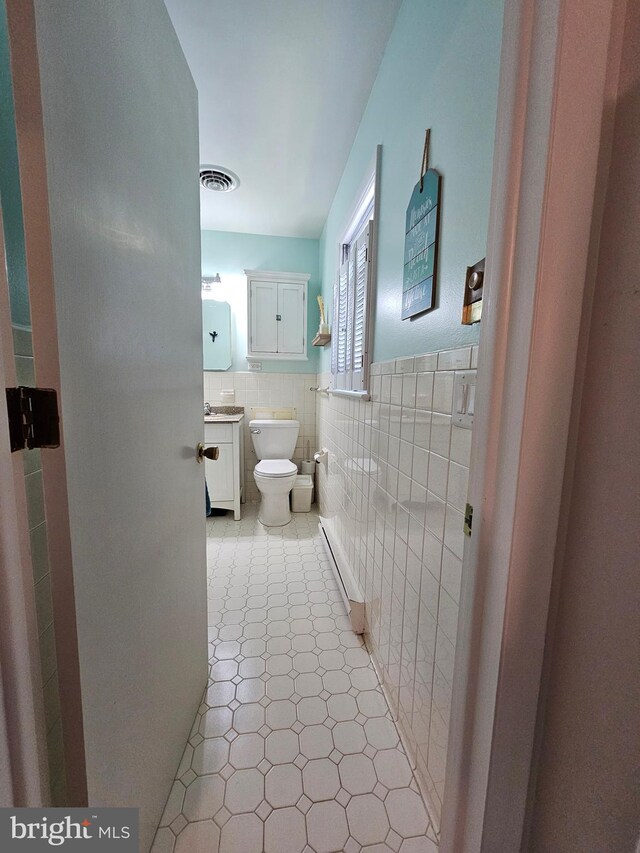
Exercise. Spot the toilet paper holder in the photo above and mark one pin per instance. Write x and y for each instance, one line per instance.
(322, 457)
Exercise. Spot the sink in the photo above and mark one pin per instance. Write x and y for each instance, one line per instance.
(224, 414)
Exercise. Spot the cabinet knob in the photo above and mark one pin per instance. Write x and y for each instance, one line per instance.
(203, 452)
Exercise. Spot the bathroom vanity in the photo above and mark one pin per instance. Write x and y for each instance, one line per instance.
(225, 477)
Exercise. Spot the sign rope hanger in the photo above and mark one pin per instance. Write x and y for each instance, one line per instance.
(425, 157)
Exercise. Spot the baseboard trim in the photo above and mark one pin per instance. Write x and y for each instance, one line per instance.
(347, 584)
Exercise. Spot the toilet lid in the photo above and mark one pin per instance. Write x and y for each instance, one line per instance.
(276, 468)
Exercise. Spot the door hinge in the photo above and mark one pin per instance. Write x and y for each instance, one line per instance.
(468, 519)
(33, 418)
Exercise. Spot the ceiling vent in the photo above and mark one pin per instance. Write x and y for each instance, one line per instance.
(218, 179)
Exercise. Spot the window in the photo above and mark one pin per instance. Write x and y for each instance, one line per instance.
(352, 297)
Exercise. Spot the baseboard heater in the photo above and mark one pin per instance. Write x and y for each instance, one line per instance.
(349, 588)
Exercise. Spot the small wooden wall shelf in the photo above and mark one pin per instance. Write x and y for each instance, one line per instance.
(321, 340)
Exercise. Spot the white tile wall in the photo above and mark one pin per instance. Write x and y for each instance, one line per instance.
(399, 516)
(278, 390)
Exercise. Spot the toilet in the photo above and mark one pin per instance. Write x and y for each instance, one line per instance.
(274, 442)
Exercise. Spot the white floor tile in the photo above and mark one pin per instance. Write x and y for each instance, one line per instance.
(327, 827)
(294, 749)
(205, 797)
(242, 834)
(285, 831)
(321, 779)
(358, 774)
(368, 819)
(201, 837)
(283, 785)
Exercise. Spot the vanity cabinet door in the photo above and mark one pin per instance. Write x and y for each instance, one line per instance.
(219, 474)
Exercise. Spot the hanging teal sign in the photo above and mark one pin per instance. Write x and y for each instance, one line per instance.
(421, 246)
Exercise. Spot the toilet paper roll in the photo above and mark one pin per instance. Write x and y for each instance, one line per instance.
(307, 466)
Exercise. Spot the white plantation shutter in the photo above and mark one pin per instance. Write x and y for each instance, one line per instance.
(348, 362)
(360, 302)
(341, 315)
(351, 299)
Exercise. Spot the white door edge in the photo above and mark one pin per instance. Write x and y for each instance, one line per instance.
(552, 91)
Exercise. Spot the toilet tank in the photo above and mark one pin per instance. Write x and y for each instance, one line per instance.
(274, 439)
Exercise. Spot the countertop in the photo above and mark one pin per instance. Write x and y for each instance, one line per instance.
(225, 415)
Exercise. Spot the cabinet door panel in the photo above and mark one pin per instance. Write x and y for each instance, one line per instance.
(219, 474)
(291, 326)
(264, 326)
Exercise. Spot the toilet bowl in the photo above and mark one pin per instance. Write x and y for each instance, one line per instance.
(274, 484)
(275, 474)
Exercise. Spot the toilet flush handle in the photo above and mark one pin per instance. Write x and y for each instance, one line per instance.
(255, 431)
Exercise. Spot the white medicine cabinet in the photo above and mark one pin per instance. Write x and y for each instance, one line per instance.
(277, 315)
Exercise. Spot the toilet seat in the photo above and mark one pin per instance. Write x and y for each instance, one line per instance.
(275, 468)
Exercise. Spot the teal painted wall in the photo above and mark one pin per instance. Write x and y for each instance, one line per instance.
(229, 254)
(440, 70)
(10, 194)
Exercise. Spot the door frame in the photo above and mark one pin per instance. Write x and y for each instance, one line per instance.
(24, 773)
(25, 74)
(545, 210)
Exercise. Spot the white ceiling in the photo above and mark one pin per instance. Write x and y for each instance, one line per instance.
(282, 87)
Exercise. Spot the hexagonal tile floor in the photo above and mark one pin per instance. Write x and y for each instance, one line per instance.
(293, 749)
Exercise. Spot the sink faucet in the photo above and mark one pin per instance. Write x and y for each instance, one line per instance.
(207, 408)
